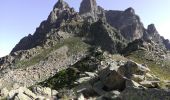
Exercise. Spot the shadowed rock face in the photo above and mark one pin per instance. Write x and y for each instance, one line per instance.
(151, 29)
(90, 11)
(60, 13)
(88, 6)
(152, 34)
(61, 5)
(127, 22)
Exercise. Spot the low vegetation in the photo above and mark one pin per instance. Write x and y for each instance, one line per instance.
(67, 77)
(155, 66)
(74, 44)
(63, 79)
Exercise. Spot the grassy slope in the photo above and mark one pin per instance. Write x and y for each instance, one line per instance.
(67, 77)
(74, 44)
(163, 72)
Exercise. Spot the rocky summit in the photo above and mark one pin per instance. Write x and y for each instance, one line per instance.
(93, 54)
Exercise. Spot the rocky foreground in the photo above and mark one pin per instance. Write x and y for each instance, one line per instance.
(93, 54)
(105, 77)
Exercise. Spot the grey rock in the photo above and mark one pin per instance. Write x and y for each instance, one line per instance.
(150, 84)
(145, 94)
(127, 22)
(61, 5)
(54, 92)
(21, 93)
(90, 74)
(112, 95)
(42, 91)
(151, 29)
(112, 80)
(58, 16)
(81, 97)
(98, 88)
(131, 68)
(83, 79)
(88, 6)
(133, 84)
(106, 37)
(90, 11)
(4, 92)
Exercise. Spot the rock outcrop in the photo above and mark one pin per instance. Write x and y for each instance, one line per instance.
(127, 22)
(90, 11)
(88, 6)
(59, 15)
(108, 38)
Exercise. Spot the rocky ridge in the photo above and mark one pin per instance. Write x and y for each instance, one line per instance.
(76, 56)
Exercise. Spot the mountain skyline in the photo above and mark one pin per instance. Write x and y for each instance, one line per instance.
(25, 20)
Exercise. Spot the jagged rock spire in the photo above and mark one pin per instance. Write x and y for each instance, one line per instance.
(129, 11)
(61, 4)
(152, 29)
(88, 6)
(90, 11)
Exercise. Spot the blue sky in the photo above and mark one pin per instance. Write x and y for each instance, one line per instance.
(18, 18)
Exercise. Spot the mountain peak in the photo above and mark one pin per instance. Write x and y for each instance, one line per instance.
(61, 4)
(152, 29)
(130, 10)
(88, 6)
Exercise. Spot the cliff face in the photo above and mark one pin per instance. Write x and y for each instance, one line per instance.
(60, 13)
(127, 22)
(90, 11)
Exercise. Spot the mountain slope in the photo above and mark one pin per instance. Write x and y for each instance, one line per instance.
(90, 54)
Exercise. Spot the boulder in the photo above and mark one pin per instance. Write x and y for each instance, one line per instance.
(87, 90)
(133, 84)
(21, 93)
(150, 84)
(138, 78)
(98, 88)
(81, 97)
(132, 69)
(90, 74)
(42, 91)
(54, 92)
(4, 92)
(112, 80)
(46, 91)
(81, 80)
(112, 95)
(145, 94)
